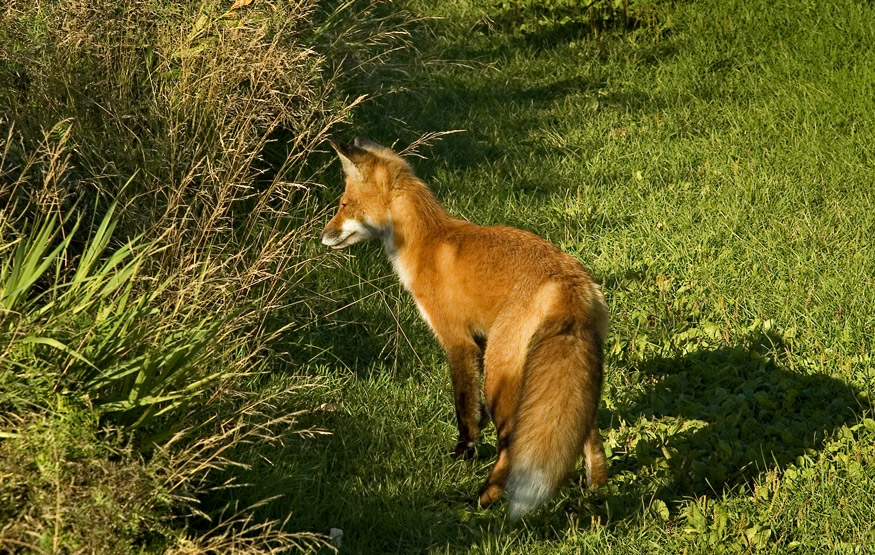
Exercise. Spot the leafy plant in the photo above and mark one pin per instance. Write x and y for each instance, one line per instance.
(149, 304)
(95, 327)
(571, 17)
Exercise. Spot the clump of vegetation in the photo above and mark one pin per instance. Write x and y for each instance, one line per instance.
(551, 18)
(64, 490)
(158, 169)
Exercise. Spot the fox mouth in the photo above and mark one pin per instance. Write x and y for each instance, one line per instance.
(343, 241)
(340, 240)
(350, 233)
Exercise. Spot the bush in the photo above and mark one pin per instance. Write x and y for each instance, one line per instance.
(65, 489)
(159, 168)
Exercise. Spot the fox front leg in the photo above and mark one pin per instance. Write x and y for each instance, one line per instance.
(466, 363)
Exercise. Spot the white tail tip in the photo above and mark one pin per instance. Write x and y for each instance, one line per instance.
(527, 490)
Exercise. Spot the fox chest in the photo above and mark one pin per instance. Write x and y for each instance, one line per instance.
(446, 303)
(405, 276)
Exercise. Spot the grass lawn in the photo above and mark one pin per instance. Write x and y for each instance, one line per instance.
(713, 166)
(711, 163)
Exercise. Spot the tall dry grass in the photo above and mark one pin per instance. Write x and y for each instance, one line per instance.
(191, 132)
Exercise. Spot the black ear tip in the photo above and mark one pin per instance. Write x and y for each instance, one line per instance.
(366, 144)
(341, 148)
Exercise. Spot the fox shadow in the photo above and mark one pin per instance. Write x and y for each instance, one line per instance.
(715, 420)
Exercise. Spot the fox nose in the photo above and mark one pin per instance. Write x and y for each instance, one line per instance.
(328, 236)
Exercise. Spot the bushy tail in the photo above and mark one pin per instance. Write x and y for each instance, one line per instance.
(558, 413)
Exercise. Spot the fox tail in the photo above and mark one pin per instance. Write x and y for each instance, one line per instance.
(558, 412)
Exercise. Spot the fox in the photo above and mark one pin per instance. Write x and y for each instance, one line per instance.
(509, 309)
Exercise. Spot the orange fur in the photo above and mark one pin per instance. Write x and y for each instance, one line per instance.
(502, 302)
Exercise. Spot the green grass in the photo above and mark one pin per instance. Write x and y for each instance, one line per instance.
(712, 166)
(709, 162)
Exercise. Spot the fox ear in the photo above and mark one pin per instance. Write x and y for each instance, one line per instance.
(367, 144)
(351, 157)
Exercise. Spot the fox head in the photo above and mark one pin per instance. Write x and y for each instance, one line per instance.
(371, 172)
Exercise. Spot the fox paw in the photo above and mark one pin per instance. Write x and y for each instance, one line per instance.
(463, 450)
(489, 494)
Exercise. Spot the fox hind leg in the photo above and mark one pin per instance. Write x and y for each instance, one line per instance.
(502, 400)
(503, 367)
(497, 480)
(503, 362)
(594, 451)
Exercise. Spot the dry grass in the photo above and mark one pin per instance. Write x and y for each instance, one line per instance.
(204, 126)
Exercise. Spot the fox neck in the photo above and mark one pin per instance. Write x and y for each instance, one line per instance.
(415, 217)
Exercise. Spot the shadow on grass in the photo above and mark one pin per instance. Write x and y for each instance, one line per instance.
(708, 423)
(467, 78)
(712, 421)
(374, 477)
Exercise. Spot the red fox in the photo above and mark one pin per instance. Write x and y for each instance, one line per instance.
(503, 303)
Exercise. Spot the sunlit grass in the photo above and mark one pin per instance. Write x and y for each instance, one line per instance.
(711, 168)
